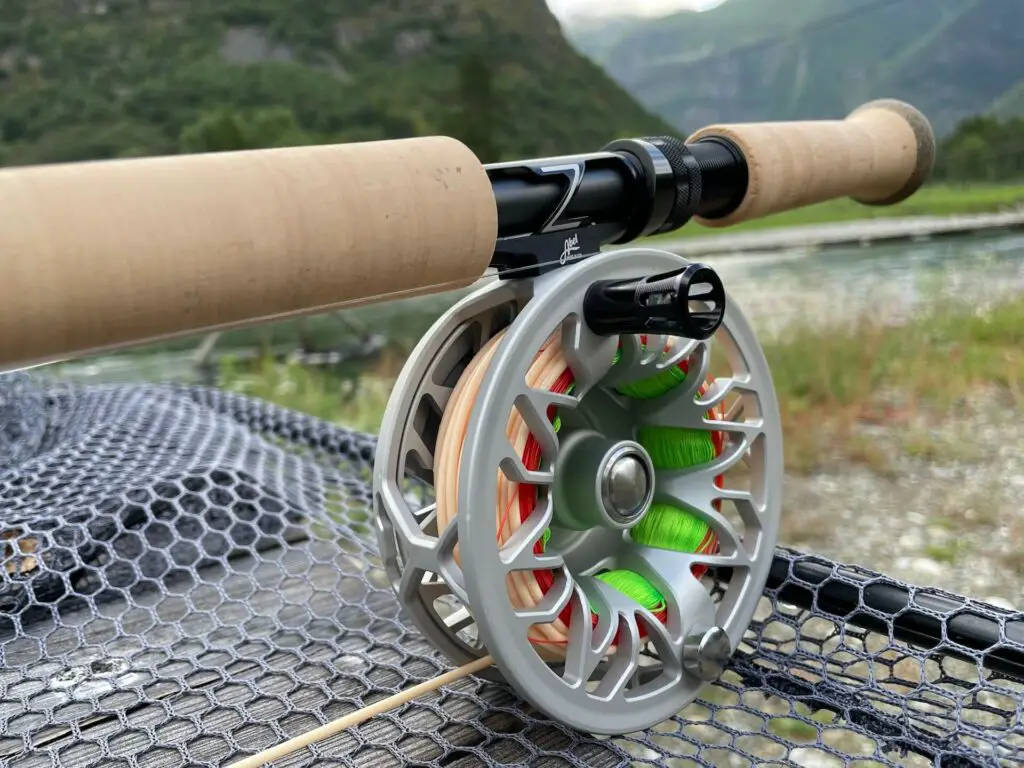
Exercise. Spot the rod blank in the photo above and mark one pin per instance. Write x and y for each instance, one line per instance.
(353, 719)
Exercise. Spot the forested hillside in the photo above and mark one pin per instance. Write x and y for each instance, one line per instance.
(798, 59)
(89, 79)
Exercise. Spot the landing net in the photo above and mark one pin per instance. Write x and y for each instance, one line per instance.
(186, 572)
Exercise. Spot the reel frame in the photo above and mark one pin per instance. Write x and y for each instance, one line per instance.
(699, 635)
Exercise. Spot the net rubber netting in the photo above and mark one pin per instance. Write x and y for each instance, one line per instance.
(187, 573)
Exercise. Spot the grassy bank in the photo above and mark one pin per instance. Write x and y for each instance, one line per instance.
(933, 200)
(832, 381)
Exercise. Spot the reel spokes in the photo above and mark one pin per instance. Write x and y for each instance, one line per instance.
(419, 554)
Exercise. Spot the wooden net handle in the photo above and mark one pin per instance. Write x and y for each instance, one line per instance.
(353, 719)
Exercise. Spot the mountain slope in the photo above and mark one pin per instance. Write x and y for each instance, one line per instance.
(86, 79)
(800, 59)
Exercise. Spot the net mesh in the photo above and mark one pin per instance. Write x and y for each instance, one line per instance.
(189, 575)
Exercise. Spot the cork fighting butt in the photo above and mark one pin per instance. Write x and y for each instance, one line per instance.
(879, 155)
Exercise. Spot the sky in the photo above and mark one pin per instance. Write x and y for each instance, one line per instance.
(564, 9)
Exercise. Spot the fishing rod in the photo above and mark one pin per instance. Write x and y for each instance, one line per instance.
(599, 430)
(110, 254)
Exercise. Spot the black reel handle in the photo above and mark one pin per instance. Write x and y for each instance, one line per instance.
(658, 304)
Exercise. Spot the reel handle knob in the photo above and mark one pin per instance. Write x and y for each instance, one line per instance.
(658, 304)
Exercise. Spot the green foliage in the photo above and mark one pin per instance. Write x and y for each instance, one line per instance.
(358, 403)
(91, 80)
(983, 148)
(226, 131)
(818, 59)
(474, 123)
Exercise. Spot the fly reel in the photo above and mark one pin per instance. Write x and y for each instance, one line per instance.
(567, 483)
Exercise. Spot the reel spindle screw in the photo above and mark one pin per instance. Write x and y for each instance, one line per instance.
(658, 304)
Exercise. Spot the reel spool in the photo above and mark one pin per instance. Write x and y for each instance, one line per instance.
(606, 490)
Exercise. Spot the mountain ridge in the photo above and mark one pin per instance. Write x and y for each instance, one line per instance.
(778, 59)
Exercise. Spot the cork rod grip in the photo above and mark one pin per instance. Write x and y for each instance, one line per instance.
(106, 254)
(879, 155)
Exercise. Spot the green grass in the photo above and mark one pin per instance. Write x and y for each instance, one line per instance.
(932, 200)
(358, 405)
(943, 553)
(797, 730)
(830, 380)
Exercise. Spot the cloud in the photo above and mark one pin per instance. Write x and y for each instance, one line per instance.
(564, 9)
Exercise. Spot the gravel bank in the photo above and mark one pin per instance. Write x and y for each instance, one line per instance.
(950, 518)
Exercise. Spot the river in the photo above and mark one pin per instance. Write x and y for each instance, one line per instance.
(891, 279)
(773, 289)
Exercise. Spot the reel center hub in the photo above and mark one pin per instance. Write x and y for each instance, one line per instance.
(626, 486)
(602, 483)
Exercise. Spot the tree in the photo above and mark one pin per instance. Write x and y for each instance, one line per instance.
(228, 131)
(969, 159)
(475, 119)
(982, 148)
(221, 131)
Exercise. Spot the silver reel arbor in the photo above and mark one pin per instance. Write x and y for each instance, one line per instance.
(629, 669)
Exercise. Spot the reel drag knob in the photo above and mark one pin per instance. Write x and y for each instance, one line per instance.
(658, 304)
